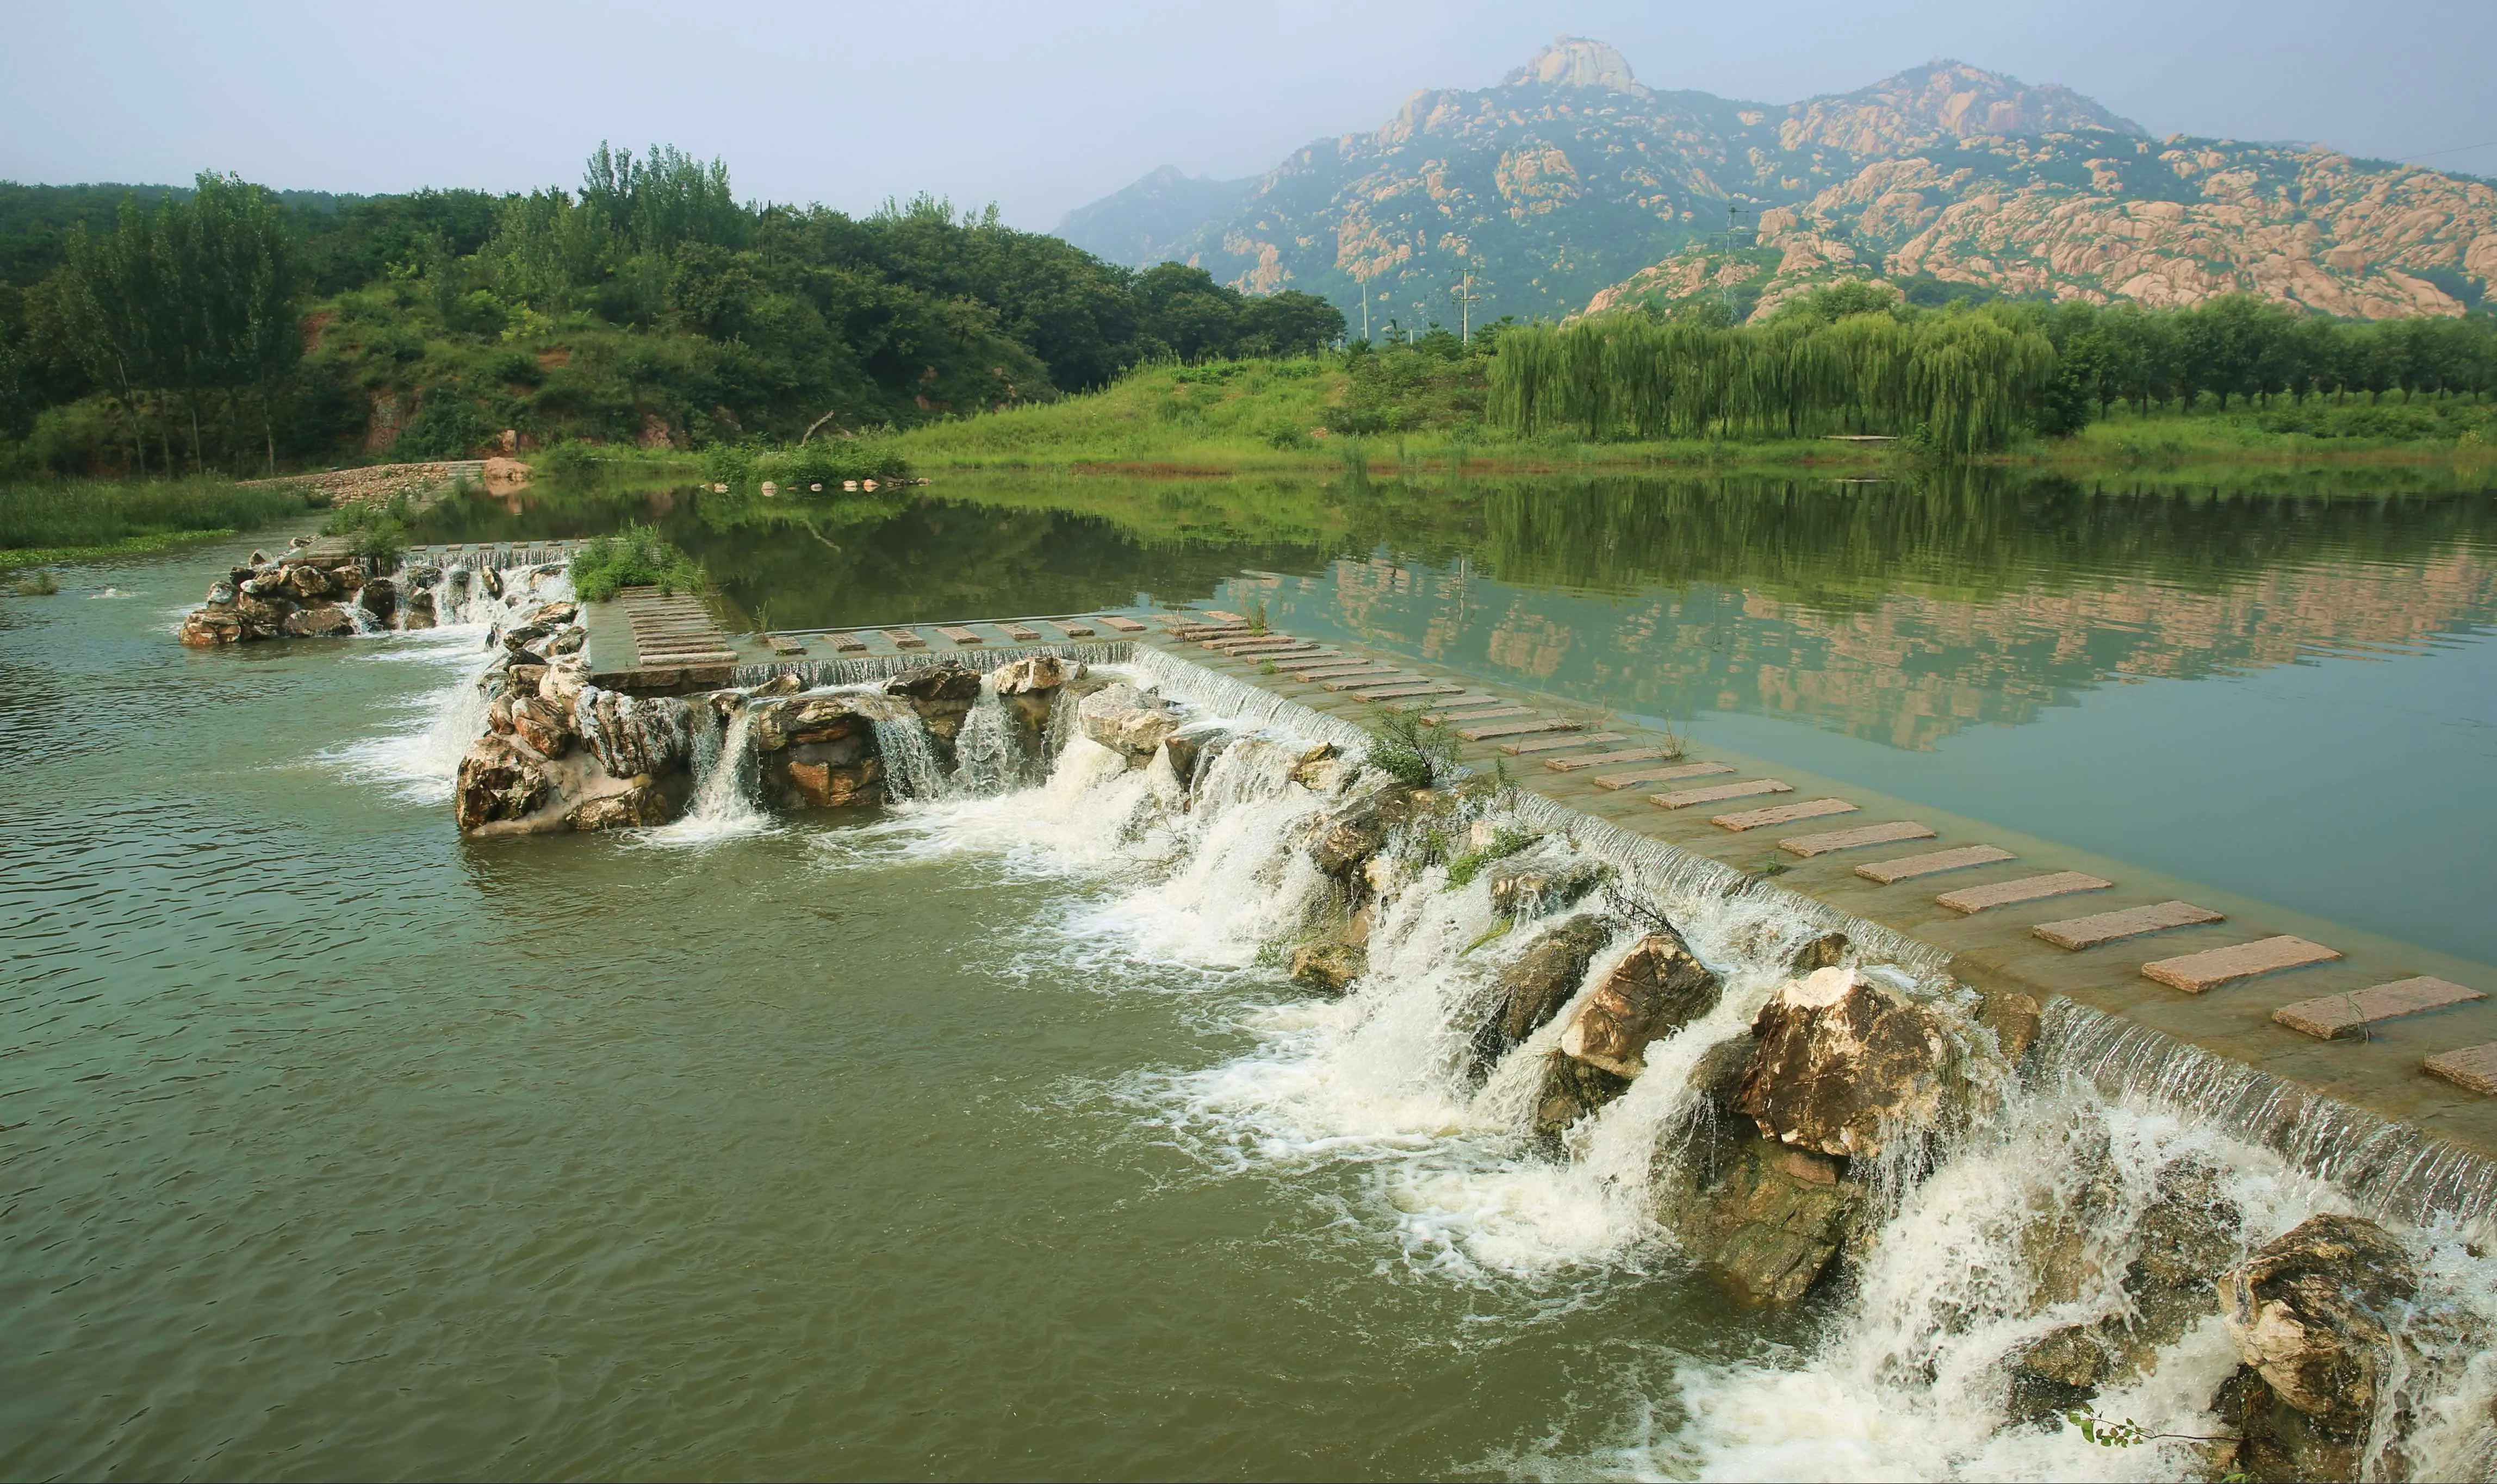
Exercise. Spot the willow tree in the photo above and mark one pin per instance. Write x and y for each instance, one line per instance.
(1973, 379)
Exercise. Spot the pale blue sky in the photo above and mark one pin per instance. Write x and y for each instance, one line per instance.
(1041, 108)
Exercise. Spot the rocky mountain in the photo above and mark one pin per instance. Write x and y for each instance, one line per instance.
(1573, 186)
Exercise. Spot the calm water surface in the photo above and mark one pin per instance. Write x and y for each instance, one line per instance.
(334, 1145)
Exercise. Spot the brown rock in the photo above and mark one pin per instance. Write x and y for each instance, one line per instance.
(1571, 1090)
(1032, 674)
(1330, 968)
(1343, 844)
(827, 785)
(1533, 987)
(643, 804)
(1844, 1064)
(2015, 1018)
(1658, 988)
(208, 627)
(1126, 720)
(1827, 951)
(542, 724)
(2315, 1313)
(498, 781)
(318, 621)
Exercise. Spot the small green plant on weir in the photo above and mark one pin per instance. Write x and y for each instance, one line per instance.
(38, 584)
(1504, 842)
(636, 557)
(374, 530)
(1400, 747)
(1257, 619)
(2125, 1432)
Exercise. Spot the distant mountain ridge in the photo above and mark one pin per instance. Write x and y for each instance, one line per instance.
(1573, 186)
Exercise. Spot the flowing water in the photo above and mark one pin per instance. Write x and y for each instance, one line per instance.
(976, 1137)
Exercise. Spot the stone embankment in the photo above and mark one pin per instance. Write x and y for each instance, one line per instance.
(322, 590)
(379, 483)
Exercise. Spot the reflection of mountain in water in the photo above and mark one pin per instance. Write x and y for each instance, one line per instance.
(1900, 615)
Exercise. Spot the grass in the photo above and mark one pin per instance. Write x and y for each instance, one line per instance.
(1405, 411)
(1403, 750)
(633, 557)
(58, 521)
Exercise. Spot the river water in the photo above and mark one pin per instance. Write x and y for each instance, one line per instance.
(983, 1138)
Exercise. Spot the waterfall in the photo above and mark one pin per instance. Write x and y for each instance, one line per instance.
(988, 753)
(911, 769)
(724, 806)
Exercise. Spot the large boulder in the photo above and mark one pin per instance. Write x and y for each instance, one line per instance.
(318, 621)
(803, 719)
(1034, 674)
(941, 693)
(215, 624)
(1535, 883)
(379, 598)
(1127, 721)
(633, 736)
(303, 580)
(499, 780)
(420, 611)
(1844, 1064)
(2315, 1314)
(1571, 1090)
(1345, 843)
(1533, 986)
(546, 727)
(1658, 988)
(639, 804)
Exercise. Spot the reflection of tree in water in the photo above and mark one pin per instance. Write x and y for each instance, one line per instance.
(896, 559)
(1903, 613)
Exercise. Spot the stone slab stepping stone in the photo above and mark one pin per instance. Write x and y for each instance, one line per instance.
(904, 639)
(1715, 792)
(1263, 645)
(1448, 703)
(2339, 1015)
(960, 635)
(2079, 932)
(1121, 625)
(782, 644)
(2196, 972)
(1908, 867)
(1220, 617)
(846, 643)
(2011, 894)
(1073, 629)
(1604, 759)
(1317, 659)
(1477, 714)
(1855, 838)
(2473, 1069)
(1021, 633)
(1659, 775)
(1783, 814)
(1339, 670)
(1519, 729)
(1522, 749)
(1367, 681)
(1405, 692)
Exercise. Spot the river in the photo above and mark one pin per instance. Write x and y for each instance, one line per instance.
(982, 1137)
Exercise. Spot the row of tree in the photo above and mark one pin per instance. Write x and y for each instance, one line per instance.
(1848, 360)
(648, 298)
(177, 305)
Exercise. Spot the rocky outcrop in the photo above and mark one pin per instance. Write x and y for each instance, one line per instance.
(1844, 1065)
(1127, 721)
(1330, 968)
(819, 751)
(2316, 1316)
(309, 592)
(1656, 990)
(1533, 986)
(941, 694)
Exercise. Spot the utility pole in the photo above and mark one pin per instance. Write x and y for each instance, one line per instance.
(1727, 291)
(1465, 297)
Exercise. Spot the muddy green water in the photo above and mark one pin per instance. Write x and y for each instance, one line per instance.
(332, 1145)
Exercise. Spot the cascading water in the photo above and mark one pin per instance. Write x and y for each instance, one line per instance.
(724, 804)
(988, 754)
(912, 769)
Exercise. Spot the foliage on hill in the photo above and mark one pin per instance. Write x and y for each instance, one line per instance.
(648, 306)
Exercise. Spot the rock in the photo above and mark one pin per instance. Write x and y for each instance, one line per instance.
(1187, 753)
(568, 642)
(424, 574)
(543, 725)
(491, 581)
(1034, 672)
(1126, 720)
(379, 598)
(222, 594)
(1658, 988)
(419, 612)
(798, 720)
(498, 781)
(2015, 1018)
(1769, 1219)
(562, 684)
(1330, 968)
(318, 621)
(270, 584)
(555, 614)
(641, 803)
(2315, 1314)
(209, 628)
(523, 635)
(348, 579)
(1533, 987)
(1529, 888)
(259, 558)
(1827, 951)
(2186, 1239)
(1323, 769)
(1844, 1064)
(1345, 844)
(1573, 1090)
(2058, 1372)
(265, 613)
(826, 784)
(504, 475)
(307, 581)
(635, 735)
(943, 681)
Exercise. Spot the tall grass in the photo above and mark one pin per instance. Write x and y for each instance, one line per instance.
(62, 520)
(637, 556)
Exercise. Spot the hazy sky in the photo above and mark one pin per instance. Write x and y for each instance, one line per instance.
(1043, 107)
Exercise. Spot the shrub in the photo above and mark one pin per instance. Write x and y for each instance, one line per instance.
(377, 532)
(1413, 755)
(831, 462)
(636, 557)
